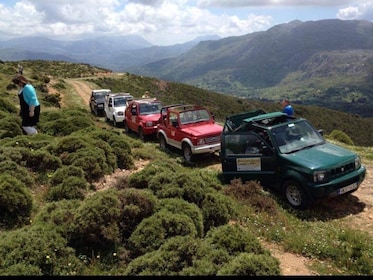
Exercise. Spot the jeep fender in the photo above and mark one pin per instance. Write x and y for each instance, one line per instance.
(161, 132)
(295, 176)
(187, 140)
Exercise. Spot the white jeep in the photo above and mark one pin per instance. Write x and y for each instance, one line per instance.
(114, 106)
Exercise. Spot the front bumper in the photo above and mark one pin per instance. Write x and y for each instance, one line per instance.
(335, 186)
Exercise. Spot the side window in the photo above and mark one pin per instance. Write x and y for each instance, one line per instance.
(244, 144)
(173, 119)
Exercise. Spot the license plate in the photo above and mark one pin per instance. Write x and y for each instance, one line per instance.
(347, 188)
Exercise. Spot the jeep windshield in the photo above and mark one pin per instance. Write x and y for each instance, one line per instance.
(150, 108)
(294, 136)
(194, 116)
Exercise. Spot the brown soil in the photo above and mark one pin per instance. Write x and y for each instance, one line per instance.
(356, 209)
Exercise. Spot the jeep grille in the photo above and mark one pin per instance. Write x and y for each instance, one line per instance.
(343, 169)
(213, 139)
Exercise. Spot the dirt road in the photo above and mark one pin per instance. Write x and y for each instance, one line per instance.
(355, 210)
(82, 89)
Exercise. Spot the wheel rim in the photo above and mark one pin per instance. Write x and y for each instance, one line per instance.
(293, 195)
(187, 153)
(162, 143)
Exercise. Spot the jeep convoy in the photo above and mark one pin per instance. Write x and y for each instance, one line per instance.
(288, 155)
(283, 153)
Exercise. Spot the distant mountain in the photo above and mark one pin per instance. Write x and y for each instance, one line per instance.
(116, 53)
(326, 62)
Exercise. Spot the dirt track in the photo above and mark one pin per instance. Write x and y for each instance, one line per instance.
(356, 210)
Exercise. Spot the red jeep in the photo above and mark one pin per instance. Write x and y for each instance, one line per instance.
(142, 116)
(189, 128)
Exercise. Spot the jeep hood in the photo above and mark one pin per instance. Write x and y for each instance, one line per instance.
(204, 129)
(151, 117)
(321, 156)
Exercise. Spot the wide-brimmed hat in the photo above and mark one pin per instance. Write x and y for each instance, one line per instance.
(19, 78)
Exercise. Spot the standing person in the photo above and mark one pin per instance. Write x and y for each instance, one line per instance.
(287, 108)
(146, 95)
(29, 103)
(20, 69)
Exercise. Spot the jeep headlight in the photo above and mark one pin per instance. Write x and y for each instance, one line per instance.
(319, 176)
(357, 162)
(148, 123)
(200, 142)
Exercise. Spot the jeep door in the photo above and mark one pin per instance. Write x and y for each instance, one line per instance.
(248, 156)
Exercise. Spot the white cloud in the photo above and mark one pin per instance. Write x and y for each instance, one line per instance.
(362, 10)
(162, 22)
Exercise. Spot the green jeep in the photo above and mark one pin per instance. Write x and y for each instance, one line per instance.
(289, 155)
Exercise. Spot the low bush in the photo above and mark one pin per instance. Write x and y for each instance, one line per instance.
(180, 206)
(96, 226)
(249, 264)
(71, 188)
(16, 202)
(41, 247)
(340, 136)
(217, 210)
(153, 231)
(136, 205)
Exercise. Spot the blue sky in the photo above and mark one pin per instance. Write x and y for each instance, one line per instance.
(165, 22)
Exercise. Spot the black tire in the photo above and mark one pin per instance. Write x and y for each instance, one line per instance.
(126, 128)
(162, 143)
(141, 134)
(295, 195)
(115, 124)
(106, 118)
(187, 153)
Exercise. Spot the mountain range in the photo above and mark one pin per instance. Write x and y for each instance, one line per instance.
(325, 63)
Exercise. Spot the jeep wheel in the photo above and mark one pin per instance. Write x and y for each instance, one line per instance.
(187, 153)
(162, 143)
(126, 128)
(295, 195)
(106, 117)
(141, 134)
(115, 124)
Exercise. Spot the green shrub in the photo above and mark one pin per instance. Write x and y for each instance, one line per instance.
(36, 142)
(176, 254)
(8, 107)
(180, 206)
(64, 122)
(42, 161)
(60, 215)
(71, 188)
(234, 239)
(16, 171)
(340, 136)
(153, 231)
(10, 126)
(96, 227)
(135, 206)
(217, 210)
(21, 269)
(15, 201)
(249, 264)
(38, 246)
(64, 172)
(93, 162)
